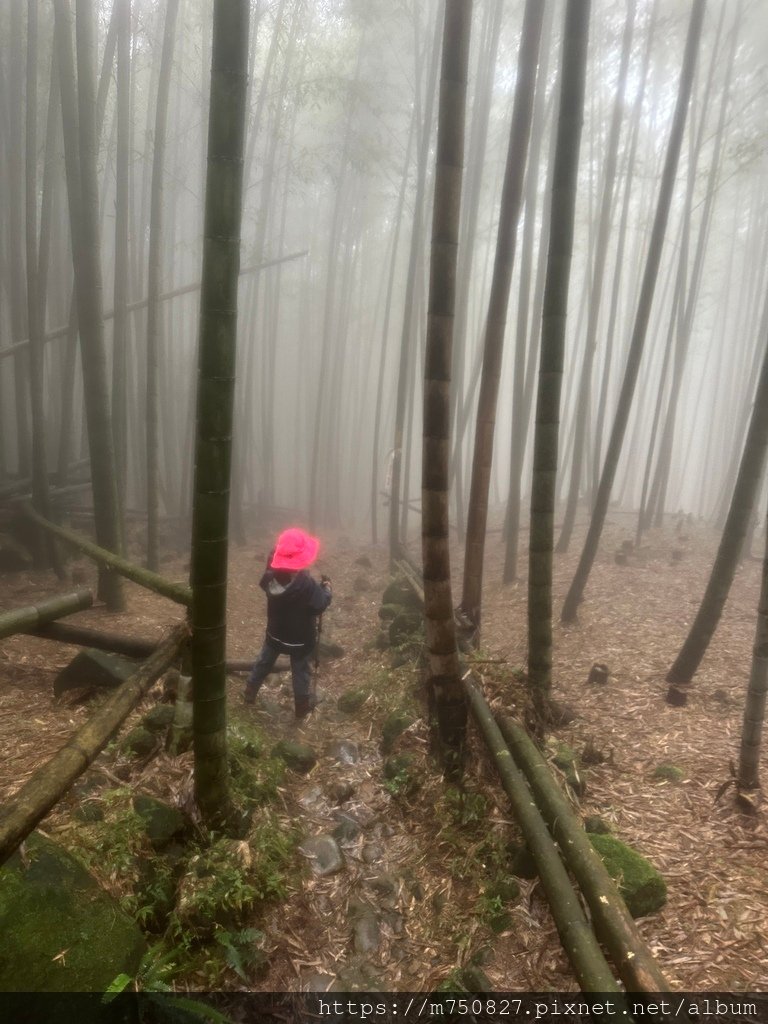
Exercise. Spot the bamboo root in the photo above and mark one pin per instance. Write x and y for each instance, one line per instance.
(575, 932)
(614, 924)
(47, 786)
(144, 577)
(21, 620)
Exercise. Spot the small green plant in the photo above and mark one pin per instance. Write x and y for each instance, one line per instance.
(466, 809)
(243, 950)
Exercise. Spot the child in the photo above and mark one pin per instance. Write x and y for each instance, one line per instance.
(294, 600)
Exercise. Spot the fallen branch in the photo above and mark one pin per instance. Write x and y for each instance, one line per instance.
(144, 577)
(614, 924)
(47, 786)
(576, 935)
(21, 620)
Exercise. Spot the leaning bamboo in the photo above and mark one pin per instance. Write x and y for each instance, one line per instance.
(575, 933)
(144, 577)
(634, 962)
(47, 786)
(20, 620)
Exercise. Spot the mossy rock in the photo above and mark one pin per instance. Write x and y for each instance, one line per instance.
(139, 742)
(50, 904)
(667, 773)
(161, 822)
(298, 756)
(576, 781)
(394, 725)
(89, 812)
(158, 718)
(641, 886)
(595, 824)
(404, 626)
(402, 593)
(387, 612)
(352, 701)
(399, 774)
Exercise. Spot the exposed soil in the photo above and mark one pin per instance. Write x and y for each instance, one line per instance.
(713, 932)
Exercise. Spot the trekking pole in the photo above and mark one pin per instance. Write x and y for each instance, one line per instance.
(316, 673)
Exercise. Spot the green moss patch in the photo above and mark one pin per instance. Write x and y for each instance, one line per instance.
(59, 931)
(641, 886)
(668, 773)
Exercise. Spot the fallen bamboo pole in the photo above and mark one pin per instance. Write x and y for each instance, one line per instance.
(575, 932)
(47, 786)
(614, 924)
(128, 646)
(144, 577)
(21, 620)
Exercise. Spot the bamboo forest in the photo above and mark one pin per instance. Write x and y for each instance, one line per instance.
(383, 510)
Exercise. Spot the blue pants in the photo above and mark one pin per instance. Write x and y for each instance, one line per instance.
(301, 672)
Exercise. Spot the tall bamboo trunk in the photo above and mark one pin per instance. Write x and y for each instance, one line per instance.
(645, 302)
(517, 151)
(748, 775)
(444, 675)
(215, 402)
(545, 446)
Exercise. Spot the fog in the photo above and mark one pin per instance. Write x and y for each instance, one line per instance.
(339, 170)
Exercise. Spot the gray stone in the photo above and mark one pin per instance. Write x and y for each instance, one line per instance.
(49, 905)
(372, 852)
(340, 792)
(395, 725)
(324, 854)
(347, 828)
(311, 797)
(298, 756)
(384, 884)
(158, 718)
(162, 823)
(139, 741)
(94, 670)
(399, 591)
(318, 981)
(366, 934)
(344, 751)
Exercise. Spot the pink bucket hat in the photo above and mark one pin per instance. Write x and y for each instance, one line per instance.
(294, 550)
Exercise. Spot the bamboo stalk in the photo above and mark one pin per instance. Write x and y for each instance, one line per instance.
(46, 787)
(129, 646)
(21, 620)
(614, 924)
(575, 933)
(144, 577)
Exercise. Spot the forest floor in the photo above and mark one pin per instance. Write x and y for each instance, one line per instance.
(413, 900)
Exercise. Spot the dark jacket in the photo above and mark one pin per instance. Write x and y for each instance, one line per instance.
(292, 610)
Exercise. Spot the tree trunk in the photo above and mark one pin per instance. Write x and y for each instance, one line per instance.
(509, 213)
(444, 675)
(596, 292)
(407, 335)
(640, 330)
(47, 786)
(84, 211)
(215, 402)
(748, 775)
(154, 280)
(545, 445)
(727, 558)
(121, 325)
